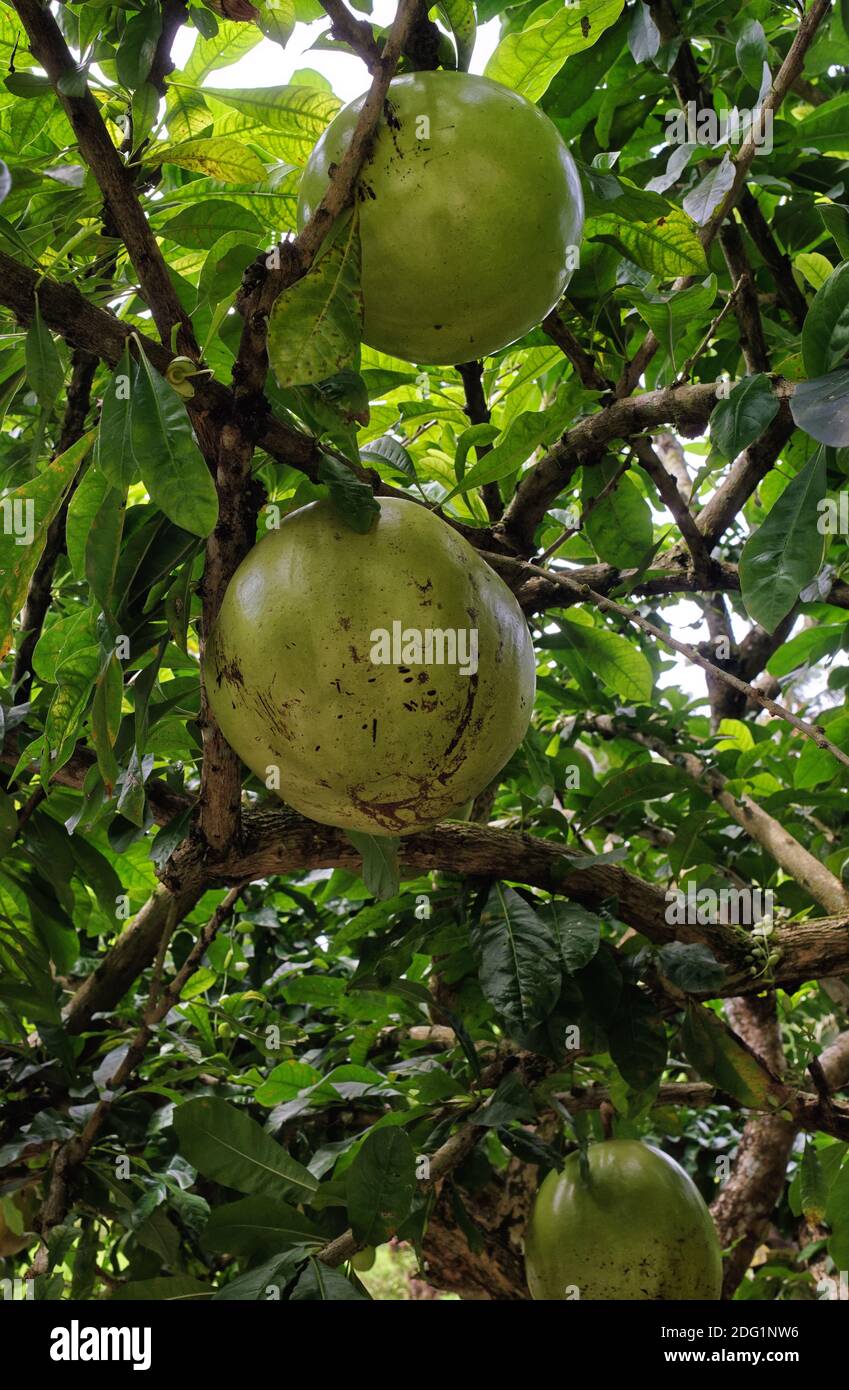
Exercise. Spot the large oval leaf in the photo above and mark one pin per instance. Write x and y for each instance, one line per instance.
(785, 553)
(228, 1146)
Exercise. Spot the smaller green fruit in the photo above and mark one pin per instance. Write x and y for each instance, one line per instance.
(364, 1259)
(638, 1229)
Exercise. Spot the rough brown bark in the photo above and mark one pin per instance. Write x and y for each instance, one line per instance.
(746, 1202)
(500, 1213)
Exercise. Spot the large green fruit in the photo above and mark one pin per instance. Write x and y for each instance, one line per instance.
(301, 674)
(638, 1230)
(470, 210)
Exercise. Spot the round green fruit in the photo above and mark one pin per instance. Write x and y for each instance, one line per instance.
(638, 1229)
(330, 668)
(364, 1259)
(470, 213)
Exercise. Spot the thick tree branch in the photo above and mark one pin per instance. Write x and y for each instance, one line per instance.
(356, 33)
(687, 407)
(478, 413)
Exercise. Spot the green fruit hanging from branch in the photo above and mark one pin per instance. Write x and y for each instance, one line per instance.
(635, 1228)
(377, 681)
(470, 216)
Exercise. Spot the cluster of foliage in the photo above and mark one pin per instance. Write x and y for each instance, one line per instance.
(344, 1021)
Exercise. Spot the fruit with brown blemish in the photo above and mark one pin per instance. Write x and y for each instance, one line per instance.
(358, 743)
(635, 1228)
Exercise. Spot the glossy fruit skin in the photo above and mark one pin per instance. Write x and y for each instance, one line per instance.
(290, 675)
(465, 233)
(363, 1260)
(640, 1230)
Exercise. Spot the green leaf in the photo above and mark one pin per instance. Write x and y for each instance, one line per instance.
(827, 128)
(643, 782)
(173, 468)
(615, 660)
(821, 408)
(45, 373)
(380, 1185)
(257, 1226)
(321, 1284)
(296, 114)
(460, 15)
(277, 20)
(835, 217)
(786, 551)
(82, 509)
(138, 46)
(643, 35)
(353, 500)
(837, 1216)
(688, 848)
(620, 526)
(815, 267)
(817, 765)
(229, 43)
(637, 1039)
(76, 676)
(511, 1101)
(228, 1146)
(256, 1284)
(27, 84)
(316, 325)
(103, 547)
(32, 507)
(691, 967)
(381, 874)
(201, 224)
(576, 930)
(666, 246)
(605, 192)
(523, 435)
(114, 455)
(8, 823)
(144, 109)
(391, 453)
(825, 334)
(751, 52)
(181, 1288)
(713, 1050)
(518, 960)
(106, 719)
(670, 314)
(703, 200)
(219, 156)
(528, 60)
(806, 648)
(741, 417)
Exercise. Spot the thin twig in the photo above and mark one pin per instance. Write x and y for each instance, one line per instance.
(811, 731)
(691, 361)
